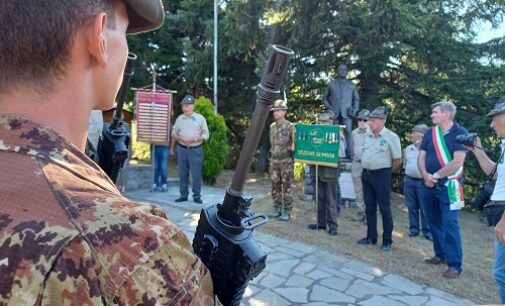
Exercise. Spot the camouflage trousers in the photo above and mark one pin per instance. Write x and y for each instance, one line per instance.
(281, 174)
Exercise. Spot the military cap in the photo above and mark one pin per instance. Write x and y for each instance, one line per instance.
(421, 128)
(363, 114)
(499, 108)
(325, 117)
(280, 104)
(331, 114)
(380, 112)
(144, 15)
(188, 99)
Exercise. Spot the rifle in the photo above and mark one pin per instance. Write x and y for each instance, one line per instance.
(223, 238)
(114, 142)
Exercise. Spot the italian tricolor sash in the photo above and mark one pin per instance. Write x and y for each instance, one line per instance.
(454, 187)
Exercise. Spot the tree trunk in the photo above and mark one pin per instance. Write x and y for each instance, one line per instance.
(261, 164)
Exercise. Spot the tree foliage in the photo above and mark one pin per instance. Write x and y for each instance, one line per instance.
(216, 147)
(406, 54)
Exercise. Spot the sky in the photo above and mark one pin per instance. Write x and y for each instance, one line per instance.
(486, 33)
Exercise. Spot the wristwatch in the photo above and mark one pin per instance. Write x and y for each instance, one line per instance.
(436, 175)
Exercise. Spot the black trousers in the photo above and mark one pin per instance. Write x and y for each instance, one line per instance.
(377, 192)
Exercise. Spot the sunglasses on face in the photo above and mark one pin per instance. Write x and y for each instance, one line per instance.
(363, 120)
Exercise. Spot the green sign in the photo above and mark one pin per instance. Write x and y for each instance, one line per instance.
(317, 144)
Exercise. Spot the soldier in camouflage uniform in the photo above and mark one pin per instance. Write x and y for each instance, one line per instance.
(281, 161)
(67, 235)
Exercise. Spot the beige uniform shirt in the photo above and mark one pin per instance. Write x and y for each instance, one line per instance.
(191, 127)
(380, 150)
(358, 138)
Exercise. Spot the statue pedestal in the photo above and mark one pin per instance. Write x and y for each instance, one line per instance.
(345, 182)
(308, 189)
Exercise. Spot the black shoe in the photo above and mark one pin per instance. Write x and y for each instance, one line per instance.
(332, 231)
(197, 200)
(366, 241)
(386, 247)
(315, 226)
(181, 199)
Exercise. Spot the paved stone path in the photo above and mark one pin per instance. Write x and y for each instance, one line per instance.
(301, 274)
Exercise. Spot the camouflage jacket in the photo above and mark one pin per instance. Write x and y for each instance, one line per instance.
(68, 237)
(281, 141)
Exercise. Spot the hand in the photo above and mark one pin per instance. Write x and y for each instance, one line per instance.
(172, 152)
(476, 145)
(429, 180)
(500, 230)
(186, 140)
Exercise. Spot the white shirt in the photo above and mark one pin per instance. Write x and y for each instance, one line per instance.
(410, 165)
(499, 188)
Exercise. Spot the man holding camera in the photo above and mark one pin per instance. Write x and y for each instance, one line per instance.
(440, 162)
(498, 195)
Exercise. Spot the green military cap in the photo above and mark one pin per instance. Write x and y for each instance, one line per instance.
(499, 108)
(280, 105)
(421, 128)
(188, 99)
(380, 112)
(144, 15)
(325, 117)
(363, 114)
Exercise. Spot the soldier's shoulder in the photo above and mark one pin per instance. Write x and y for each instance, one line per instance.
(125, 233)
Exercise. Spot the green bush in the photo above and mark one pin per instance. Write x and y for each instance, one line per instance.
(140, 151)
(216, 147)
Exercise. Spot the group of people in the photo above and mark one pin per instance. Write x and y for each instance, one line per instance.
(188, 133)
(433, 178)
(68, 236)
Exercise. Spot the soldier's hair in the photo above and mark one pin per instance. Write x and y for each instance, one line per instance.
(36, 37)
(446, 107)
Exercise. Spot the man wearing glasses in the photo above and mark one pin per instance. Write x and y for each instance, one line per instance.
(357, 139)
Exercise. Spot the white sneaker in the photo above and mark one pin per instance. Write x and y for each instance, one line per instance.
(154, 188)
(164, 188)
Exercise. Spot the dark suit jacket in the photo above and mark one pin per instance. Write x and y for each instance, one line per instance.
(342, 98)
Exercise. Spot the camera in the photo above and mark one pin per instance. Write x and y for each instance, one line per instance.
(483, 194)
(467, 139)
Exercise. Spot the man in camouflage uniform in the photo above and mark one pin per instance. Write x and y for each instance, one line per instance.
(67, 236)
(281, 161)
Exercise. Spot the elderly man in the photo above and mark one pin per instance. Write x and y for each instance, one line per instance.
(68, 236)
(413, 183)
(498, 196)
(440, 162)
(190, 131)
(358, 137)
(382, 154)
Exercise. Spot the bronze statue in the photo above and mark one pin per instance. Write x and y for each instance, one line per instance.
(342, 98)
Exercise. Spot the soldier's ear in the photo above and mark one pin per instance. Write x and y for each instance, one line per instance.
(96, 41)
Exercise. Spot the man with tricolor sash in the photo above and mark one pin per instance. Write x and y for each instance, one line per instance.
(440, 162)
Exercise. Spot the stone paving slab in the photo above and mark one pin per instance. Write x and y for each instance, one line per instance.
(300, 274)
